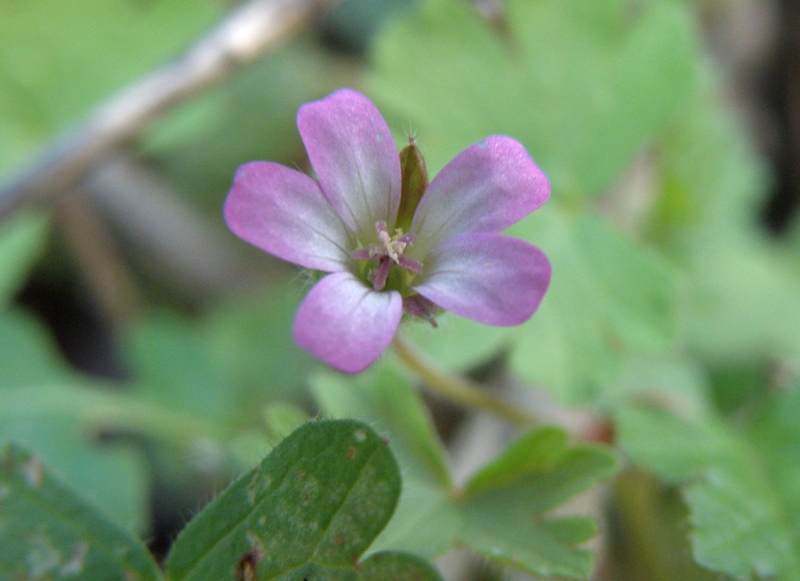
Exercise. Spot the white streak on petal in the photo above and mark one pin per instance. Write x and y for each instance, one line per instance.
(354, 157)
(486, 188)
(283, 212)
(490, 278)
(346, 324)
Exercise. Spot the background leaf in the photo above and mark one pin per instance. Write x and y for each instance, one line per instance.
(610, 297)
(562, 79)
(47, 531)
(738, 485)
(57, 60)
(46, 406)
(502, 513)
(506, 501)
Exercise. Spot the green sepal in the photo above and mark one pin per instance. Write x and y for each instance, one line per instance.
(414, 183)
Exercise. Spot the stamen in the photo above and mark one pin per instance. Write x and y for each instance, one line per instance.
(408, 238)
(361, 254)
(411, 264)
(389, 251)
(380, 274)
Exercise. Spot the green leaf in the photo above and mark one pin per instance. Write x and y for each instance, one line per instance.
(426, 523)
(506, 500)
(58, 59)
(740, 485)
(174, 366)
(22, 241)
(29, 353)
(739, 529)
(251, 336)
(671, 382)
(745, 300)
(47, 531)
(609, 296)
(581, 84)
(458, 343)
(384, 398)
(224, 367)
(502, 513)
(675, 448)
(47, 407)
(535, 451)
(310, 510)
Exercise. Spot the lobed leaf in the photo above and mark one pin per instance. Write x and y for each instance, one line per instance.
(502, 513)
(739, 485)
(611, 297)
(561, 78)
(506, 503)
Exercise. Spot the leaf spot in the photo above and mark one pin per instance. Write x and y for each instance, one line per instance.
(360, 436)
(247, 567)
(33, 470)
(42, 558)
(75, 565)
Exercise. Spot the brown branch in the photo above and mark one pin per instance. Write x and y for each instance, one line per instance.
(248, 32)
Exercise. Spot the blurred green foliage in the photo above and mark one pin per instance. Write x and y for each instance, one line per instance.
(50, 532)
(672, 315)
(59, 59)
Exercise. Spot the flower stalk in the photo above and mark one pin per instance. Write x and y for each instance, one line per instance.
(458, 389)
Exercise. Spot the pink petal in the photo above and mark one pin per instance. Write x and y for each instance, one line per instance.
(346, 324)
(490, 278)
(485, 188)
(355, 158)
(283, 212)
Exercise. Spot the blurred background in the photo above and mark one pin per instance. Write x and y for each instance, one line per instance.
(146, 353)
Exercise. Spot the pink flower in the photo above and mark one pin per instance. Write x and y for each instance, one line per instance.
(449, 255)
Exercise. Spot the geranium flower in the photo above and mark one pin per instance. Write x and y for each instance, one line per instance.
(443, 252)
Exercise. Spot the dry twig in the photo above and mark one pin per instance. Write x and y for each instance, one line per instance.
(248, 32)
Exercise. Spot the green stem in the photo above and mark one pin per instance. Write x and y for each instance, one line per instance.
(458, 389)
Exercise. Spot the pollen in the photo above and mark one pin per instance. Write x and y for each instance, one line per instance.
(393, 246)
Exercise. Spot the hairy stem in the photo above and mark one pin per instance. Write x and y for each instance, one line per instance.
(458, 389)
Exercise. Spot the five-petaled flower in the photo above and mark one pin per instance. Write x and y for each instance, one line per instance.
(446, 253)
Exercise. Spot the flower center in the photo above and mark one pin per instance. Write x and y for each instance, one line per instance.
(387, 252)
